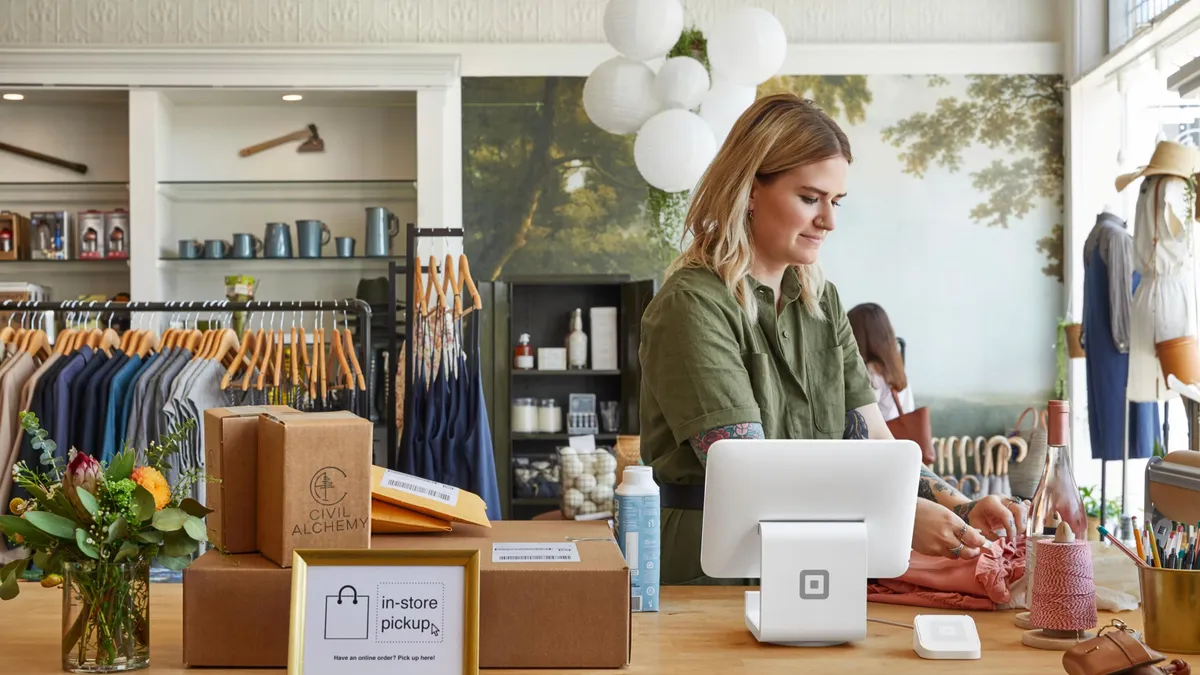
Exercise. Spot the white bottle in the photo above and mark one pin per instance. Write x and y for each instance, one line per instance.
(638, 534)
(577, 343)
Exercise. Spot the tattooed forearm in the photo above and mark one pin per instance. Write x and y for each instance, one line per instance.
(701, 442)
(856, 426)
(964, 510)
(931, 486)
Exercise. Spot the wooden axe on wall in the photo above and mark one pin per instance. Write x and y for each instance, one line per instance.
(74, 166)
(312, 142)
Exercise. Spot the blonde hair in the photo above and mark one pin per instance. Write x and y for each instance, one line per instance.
(776, 134)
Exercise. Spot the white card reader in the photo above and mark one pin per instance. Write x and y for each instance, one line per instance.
(945, 636)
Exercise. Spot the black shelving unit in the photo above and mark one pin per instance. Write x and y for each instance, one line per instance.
(541, 306)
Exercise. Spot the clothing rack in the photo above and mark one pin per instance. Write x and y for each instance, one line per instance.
(359, 307)
(412, 265)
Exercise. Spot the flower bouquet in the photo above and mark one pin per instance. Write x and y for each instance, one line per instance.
(95, 529)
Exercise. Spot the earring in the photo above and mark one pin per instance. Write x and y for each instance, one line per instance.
(750, 214)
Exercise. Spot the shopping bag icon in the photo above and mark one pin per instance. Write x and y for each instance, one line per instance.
(347, 615)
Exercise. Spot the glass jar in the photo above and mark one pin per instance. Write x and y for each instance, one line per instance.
(549, 417)
(106, 617)
(524, 416)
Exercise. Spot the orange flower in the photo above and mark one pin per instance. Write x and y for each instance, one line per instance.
(150, 478)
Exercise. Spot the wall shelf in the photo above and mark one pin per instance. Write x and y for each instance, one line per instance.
(79, 195)
(565, 373)
(284, 265)
(29, 267)
(289, 190)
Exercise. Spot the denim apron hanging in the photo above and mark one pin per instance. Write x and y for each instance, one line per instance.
(474, 462)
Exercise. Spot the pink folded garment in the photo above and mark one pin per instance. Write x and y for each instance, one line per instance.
(947, 583)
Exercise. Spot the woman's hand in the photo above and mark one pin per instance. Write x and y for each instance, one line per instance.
(940, 532)
(995, 516)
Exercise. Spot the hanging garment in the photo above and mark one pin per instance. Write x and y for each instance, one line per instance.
(1108, 283)
(472, 432)
(1164, 303)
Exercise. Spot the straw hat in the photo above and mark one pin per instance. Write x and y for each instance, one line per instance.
(1169, 159)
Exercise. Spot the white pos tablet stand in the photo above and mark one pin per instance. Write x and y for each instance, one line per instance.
(813, 520)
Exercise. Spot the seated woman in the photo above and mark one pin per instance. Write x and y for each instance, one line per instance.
(880, 350)
(746, 339)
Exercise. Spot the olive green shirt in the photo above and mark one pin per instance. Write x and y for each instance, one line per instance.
(706, 366)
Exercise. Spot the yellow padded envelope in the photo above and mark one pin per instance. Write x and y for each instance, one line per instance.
(391, 519)
(427, 497)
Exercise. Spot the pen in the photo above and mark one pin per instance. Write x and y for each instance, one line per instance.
(1123, 547)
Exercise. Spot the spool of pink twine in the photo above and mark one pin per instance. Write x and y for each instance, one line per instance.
(1064, 594)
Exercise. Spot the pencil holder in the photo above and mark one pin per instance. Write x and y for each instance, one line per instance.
(1170, 620)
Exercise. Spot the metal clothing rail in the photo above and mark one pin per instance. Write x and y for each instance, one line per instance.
(412, 265)
(358, 307)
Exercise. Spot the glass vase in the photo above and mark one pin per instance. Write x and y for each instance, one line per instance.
(106, 616)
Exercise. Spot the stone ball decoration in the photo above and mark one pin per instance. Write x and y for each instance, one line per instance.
(588, 480)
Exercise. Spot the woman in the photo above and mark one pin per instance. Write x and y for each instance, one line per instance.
(747, 340)
(880, 350)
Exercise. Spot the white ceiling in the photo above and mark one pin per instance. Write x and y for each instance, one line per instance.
(214, 97)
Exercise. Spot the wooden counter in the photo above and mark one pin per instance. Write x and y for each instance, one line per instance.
(699, 630)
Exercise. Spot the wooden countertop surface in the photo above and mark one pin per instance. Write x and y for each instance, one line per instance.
(699, 630)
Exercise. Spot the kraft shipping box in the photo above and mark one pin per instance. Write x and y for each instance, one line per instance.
(235, 611)
(231, 456)
(572, 612)
(314, 483)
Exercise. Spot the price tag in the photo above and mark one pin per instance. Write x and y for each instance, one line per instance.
(384, 612)
(522, 552)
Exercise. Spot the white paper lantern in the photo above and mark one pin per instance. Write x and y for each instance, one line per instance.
(681, 82)
(643, 29)
(747, 46)
(673, 149)
(619, 95)
(723, 105)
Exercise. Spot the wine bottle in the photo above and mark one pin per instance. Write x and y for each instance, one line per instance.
(1056, 493)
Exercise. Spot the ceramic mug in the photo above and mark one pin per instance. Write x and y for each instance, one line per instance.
(344, 246)
(190, 249)
(216, 248)
(246, 246)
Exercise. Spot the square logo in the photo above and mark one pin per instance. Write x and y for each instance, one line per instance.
(814, 584)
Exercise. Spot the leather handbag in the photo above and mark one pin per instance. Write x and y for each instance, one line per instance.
(914, 426)
(1116, 652)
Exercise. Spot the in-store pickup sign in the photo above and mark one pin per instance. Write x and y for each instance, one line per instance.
(384, 611)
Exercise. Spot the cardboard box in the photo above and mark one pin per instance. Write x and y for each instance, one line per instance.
(235, 611)
(532, 615)
(543, 614)
(314, 483)
(231, 455)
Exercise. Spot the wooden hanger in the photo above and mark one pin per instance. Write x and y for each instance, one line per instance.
(336, 348)
(302, 345)
(277, 366)
(260, 345)
(294, 361)
(267, 359)
(239, 359)
(452, 284)
(146, 343)
(418, 294)
(434, 286)
(348, 347)
(324, 383)
(464, 276)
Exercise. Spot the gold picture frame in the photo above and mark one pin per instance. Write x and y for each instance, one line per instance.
(304, 559)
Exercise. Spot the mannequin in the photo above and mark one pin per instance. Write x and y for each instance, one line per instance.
(1109, 281)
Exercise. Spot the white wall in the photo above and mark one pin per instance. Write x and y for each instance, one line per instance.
(207, 22)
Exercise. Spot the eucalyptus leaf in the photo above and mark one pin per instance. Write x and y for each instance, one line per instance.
(143, 504)
(51, 524)
(50, 446)
(88, 500)
(11, 525)
(121, 466)
(9, 588)
(129, 550)
(177, 564)
(36, 443)
(195, 528)
(178, 544)
(149, 537)
(14, 569)
(84, 547)
(194, 508)
(169, 520)
(117, 530)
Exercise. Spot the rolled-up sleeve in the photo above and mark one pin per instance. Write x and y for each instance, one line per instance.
(692, 365)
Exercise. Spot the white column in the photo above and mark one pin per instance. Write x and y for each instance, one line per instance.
(148, 152)
(439, 166)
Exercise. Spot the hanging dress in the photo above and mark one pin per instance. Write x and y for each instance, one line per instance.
(1107, 288)
(1164, 303)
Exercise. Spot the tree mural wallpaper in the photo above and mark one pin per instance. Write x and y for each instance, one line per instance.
(953, 222)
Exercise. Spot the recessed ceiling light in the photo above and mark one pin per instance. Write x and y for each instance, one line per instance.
(14, 97)
(292, 97)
